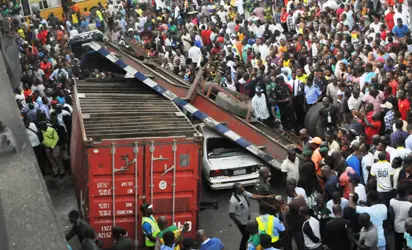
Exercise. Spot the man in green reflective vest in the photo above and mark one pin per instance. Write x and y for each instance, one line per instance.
(149, 226)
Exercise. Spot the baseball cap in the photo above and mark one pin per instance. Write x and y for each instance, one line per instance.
(258, 89)
(316, 140)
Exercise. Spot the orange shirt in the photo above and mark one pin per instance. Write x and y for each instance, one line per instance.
(344, 182)
(75, 8)
(394, 86)
(316, 157)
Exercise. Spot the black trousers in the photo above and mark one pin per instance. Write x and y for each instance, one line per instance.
(150, 248)
(297, 236)
(41, 158)
(245, 237)
(399, 241)
(299, 110)
(287, 114)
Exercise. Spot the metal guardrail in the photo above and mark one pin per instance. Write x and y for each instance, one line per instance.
(27, 217)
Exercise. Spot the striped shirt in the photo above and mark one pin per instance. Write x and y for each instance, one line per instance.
(260, 108)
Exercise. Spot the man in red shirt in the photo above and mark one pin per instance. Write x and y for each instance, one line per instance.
(389, 18)
(215, 50)
(46, 67)
(403, 104)
(372, 126)
(392, 82)
(205, 34)
(42, 36)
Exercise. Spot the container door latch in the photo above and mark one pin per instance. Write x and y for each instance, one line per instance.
(127, 164)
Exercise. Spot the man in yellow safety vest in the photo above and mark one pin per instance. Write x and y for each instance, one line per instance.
(149, 226)
(269, 224)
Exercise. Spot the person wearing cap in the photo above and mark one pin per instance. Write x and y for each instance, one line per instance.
(149, 226)
(316, 156)
(259, 105)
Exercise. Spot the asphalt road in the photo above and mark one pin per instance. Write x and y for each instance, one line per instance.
(217, 223)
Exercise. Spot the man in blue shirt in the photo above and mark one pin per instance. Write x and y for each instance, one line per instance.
(312, 93)
(400, 31)
(207, 243)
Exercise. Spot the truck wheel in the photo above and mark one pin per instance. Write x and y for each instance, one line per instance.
(232, 105)
(312, 121)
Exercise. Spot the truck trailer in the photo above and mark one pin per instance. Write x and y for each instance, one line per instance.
(129, 146)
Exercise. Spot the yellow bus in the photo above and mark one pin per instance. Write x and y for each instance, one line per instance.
(45, 7)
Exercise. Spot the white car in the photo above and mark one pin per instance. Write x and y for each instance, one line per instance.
(224, 162)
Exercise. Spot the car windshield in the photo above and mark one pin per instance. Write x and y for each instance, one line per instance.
(221, 147)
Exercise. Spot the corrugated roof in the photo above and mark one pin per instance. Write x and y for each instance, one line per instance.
(120, 109)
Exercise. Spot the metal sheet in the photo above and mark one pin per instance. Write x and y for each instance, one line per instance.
(124, 109)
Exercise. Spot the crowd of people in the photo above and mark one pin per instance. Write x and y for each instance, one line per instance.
(351, 186)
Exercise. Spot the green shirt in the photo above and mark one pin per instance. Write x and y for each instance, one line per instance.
(122, 243)
(262, 188)
(255, 239)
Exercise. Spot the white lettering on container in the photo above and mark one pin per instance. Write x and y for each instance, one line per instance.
(180, 225)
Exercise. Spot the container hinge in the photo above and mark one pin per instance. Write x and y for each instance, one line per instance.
(135, 149)
(174, 147)
(152, 146)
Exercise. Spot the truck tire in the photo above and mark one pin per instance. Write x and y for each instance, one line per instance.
(312, 121)
(232, 105)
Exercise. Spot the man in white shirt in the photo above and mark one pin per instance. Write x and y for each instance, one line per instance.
(336, 200)
(222, 14)
(35, 142)
(401, 13)
(290, 166)
(376, 24)
(367, 160)
(381, 171)
(73, 31)
(377, 213)
(355, 100)
(300, 191)
(194, 53)
(400, 150)
(259, 106)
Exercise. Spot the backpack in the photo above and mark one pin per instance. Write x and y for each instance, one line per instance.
(38, 133)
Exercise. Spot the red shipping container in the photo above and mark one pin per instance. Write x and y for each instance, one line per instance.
(130, 146)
